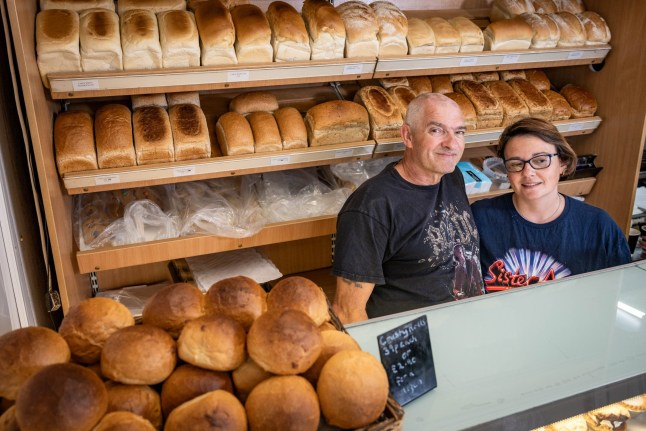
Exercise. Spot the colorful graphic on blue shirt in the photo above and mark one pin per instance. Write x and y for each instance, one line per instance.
(521, 267)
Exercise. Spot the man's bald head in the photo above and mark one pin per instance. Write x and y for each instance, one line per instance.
(427, 104)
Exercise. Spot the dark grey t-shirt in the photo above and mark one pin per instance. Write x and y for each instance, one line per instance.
(417, 244)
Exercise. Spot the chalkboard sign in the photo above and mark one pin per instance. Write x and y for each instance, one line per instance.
(406, 354)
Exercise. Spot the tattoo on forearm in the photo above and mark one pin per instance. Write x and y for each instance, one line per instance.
(355, 283)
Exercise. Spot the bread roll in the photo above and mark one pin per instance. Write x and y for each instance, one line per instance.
(488, 110)
(74, 142)
(486, 76)
(420, 84)
(546, 31)
(8, 421)
(292, 128)
(141, 100)
(544, 6)
(76, 5)
(402, 96)
(100, 40)
(420, 37)
(284, 342)
(447, 38)
(123, 421)
(238, 297)
(140, 40)
(361, 29)
(247, 376)
(385, 118)
(538, 104)
(455, 77)
(179, 39)
(113, 131)
(190, 132)
(57, 42)
(468, 111)
(265, 131)
(508, 34)
(217, 33)
(572, 6)
(352, 389)
(513, 107)
(393, 28)
(506, 75)
(234, 134)
(153, 136)
(538, 78)
(583, 103)
(155, 6)
(25, 351)
(214, 411)
(572, 31)
(61, 397)
(172, 306)
(471, 36)
(188, 382)
(506, 9)
(441, 84)
(254, 101)
(140, 400)
(561, 110)
(289, 37)
(187, 97)
(325, 28)
(337, 122)
(298, 408)
(138, 355)
(299, 293)
(253, 35)
(596, 29)
(333, 342)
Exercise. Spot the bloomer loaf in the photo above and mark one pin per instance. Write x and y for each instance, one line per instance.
(488, 110)
(538, 104)
(385, 118)
(596, 29)
(572, 31)
(513, 106)
(337, 122)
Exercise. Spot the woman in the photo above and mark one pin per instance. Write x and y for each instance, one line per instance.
(536, 234)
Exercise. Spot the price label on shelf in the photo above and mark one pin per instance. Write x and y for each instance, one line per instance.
(575, 55)
(103, 180)
(279, 160)
(341, 154)
(575, 127)
(353, 69)
(510, 59)
(85, 84)
(237, 76)
(468, 61)
(183, 171)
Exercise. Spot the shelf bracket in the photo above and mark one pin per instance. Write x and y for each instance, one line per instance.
(94, 284)
(337, 89)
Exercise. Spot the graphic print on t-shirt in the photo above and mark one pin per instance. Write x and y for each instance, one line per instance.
(521, 267)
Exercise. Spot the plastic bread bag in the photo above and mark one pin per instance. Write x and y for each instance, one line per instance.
(133, 297)
(144, 220)
(356, 173)
(93, 215)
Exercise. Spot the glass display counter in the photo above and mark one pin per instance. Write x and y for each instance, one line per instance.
(523, 358)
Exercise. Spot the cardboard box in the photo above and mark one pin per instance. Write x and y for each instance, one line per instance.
(474, 180)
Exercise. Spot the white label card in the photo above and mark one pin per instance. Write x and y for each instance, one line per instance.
(279, 160)
(510, 59)
(469, 61)
(183, 171)
(238, 76)
(107, 179)
(575, 127)
(85, 84)
(353, 69)
(344, 153)
(575, 55)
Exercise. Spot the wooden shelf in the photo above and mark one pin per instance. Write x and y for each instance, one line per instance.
(580, 187)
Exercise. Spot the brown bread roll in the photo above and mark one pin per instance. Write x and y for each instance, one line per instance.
(292, 128)
(385, 118)
(214, 411)
(247, 376)
(289, 37)
(153, 135)
(172, 306)
(538, 104)
(337, 122)
(74, 142)
(190, 132)
(140, 400)
(123, 421)
(266, 135)
(253, 34)
(113, 131)
(468, 111)
(240, 298)
(234, 134)
(299, 293)
(8, 421)
(561, 110)
(583, 103)
(513, 107)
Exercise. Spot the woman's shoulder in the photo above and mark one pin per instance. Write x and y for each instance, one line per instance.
(585, 212)
(498, 203)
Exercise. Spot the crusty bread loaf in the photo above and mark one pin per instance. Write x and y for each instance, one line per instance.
(253, 34)
(441, 84)
(8, 421)
(402, 96)
(393, 28)
(538, 78)
(506, 9)
(141, 400)
(292, 128)
(447, 38)
(361, 29)
(420, 84)
(538, 104)
(190, 132)
(393, 82)
(188, 382)
(299, 293)
(214, 411)
(513, 107)
(471, 36)
(468, 111)
(172, 306)
(123, 421)
(333, 342)
(217, 33)
(76, 5)
(100, 40)
(488, 109)
(572, 6)
(155, 6)
(508, 34)
(544, 6)
(572, 31)
(596, 29)
(153, 135)
(190, 97)
(337, 122)
(583, 103)
(561, 110)
(238, 297)
(385, 118)
(546, 31)
(266, 135)
(141, 100)
(455, 77)
(74, 142)
(506, 75)
(113, 134)
(420, 37)
(247, 376)
(57, 42)
(289, 37)
(486, 76)
(179, 39)
(325, 28)
(140, 40)
(253, 101)
(234, 134)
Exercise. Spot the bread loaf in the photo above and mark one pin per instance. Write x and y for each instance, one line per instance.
(76, 5)
(140, 40)
(486, 76)
(213, 411)
(572, 32)
(140, 400)
(583, 103)
(455, 77)
(299, 293)
(234, 134)
(506, 75)
(265, 131)
(385, 118)
(190, 97)
(513, 107)
(57, 42)
(488, 110)
(561, 110)
(596, 29)
(538, 104)
(100, 40)
(179, 39)
(471, 36)
(74, 142)
(141, 100)
(508, 34)
(538, 78)
(572, 6)
(238, 297)
(172, 306)
(289, 37)
(393, 82)
(153, 135)
(253, 34)
(441, 84)
(361, 29)
(190, 132)
(217, 33)
(468, 111)
(420, 37)
(420, 84)
(155, 6)
(325, 28)
(292, 128)
(113, 132)
(544, 6)
(337, 122)
(546, 31)
(117, 421)
(506, 9)
(402, 96)
(333, 342)
(393, 28)
(188, 382)
(254, 101)
(247, 376)
(447, 38)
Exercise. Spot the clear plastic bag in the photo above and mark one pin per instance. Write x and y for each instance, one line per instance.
(356, 173)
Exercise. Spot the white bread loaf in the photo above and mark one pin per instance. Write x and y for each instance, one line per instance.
(217, 33)
(266, 136)
(74, 142)
(337, 122)
(289, 37)
(141, 100)
(192, 97)
(420, 37)
(361, 28)
(544, 6)
(513, 107)
(506, 9)
(234, 134)
(447, 38)
(393, 28)
(190, 132)
(153, 136)
(57, 42)
(76, 5)
(140, 40)
(100, 40)
(572, 31)
(546, 31)
(596, 29)
(471, 36)
(155, 6)
(113, 132)
(572, 6)
(325, 28)
(508, 34)
(385, 118)
(179, 39)
(292, 128)
(253, 34)
(254, 101)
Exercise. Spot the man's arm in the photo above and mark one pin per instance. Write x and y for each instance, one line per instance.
(350, 300)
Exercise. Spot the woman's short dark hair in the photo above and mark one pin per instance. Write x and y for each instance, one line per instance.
(546, 132)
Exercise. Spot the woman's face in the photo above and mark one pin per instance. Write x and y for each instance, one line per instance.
(530, 183)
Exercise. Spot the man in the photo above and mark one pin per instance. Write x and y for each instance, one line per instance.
(406, 238)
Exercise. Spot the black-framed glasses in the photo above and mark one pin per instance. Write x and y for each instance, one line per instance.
(541, 161)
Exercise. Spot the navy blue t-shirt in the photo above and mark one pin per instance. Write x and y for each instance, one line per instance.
(515, 252)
